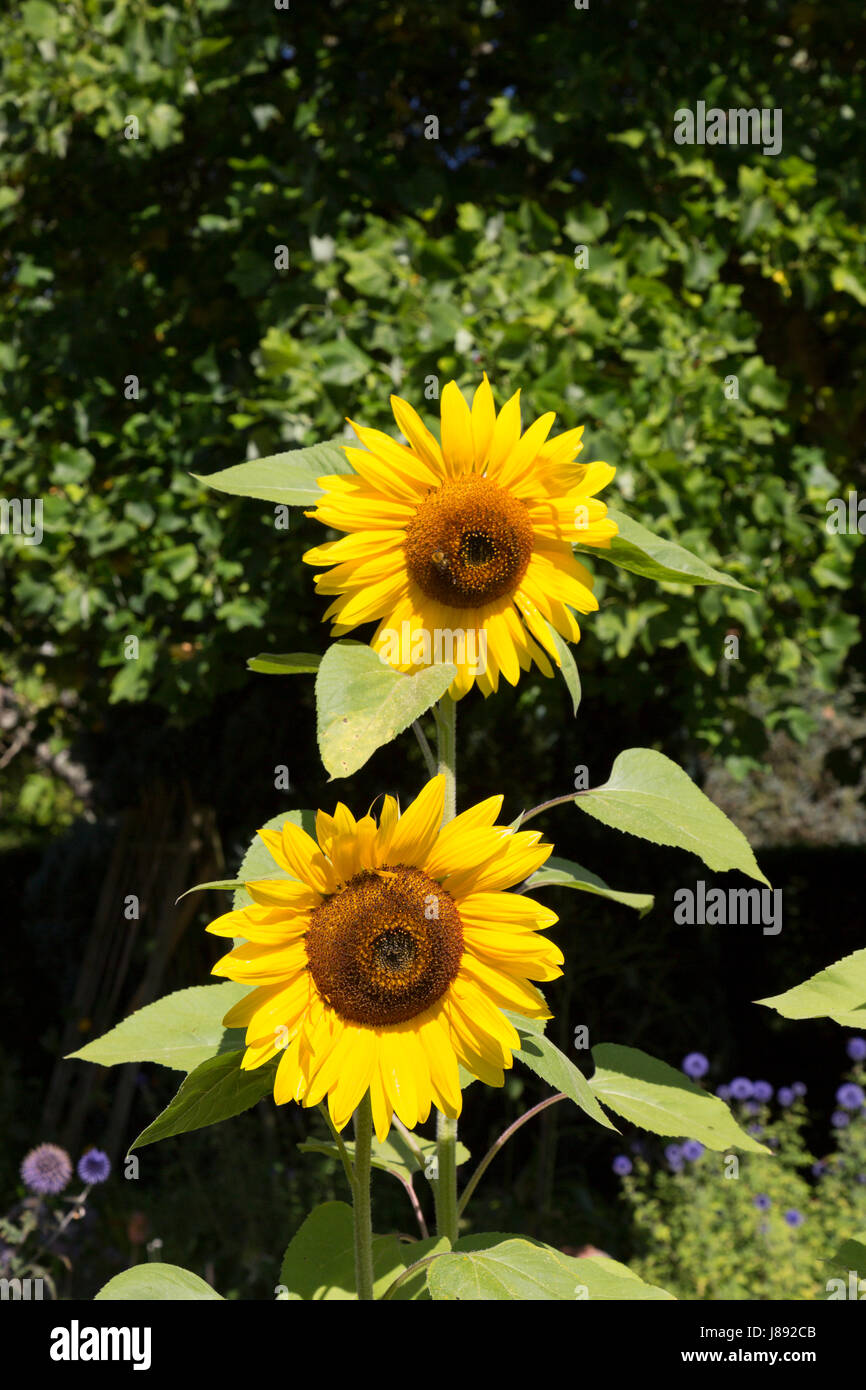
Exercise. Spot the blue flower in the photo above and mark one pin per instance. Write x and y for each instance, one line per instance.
(692, 1150)
(839, 1119)
(850, 1096)
(741, 1088)
(799, 1088)
(856, 1049)
(695, 1065)
(786, 1095)
(755, 1129)
(819, 1169)
(673, 1154)
(794, 1217)
(94, 1166)
(621, 1165)
(46, 1169)
(762, 1202)
(762, 1091)
(723, 1092)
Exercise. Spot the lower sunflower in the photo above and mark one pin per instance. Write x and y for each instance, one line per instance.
(387, 957)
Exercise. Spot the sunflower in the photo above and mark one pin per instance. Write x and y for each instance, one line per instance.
(462, 551)
(387, 956)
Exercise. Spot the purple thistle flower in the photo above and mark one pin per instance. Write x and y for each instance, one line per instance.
(762, 1202)
(741, 1088)
(723, 1092)
(786, 1095)
(46, 1169)
(799, 1088)
(850, 1096)
(755, 1129)
(692, 1150)
(856, 1049)
(762, 1091)
(622, 1165)
(794, 1217)
(819, 1169)
(94, 1166)
(839, 1119)
(674, 1156)
(695, 1065)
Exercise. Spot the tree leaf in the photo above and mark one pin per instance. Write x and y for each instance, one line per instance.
(216, 1090)
(289, 478)
(636, 549)
(838, 992)
(657, 1097)
(151, 1283)
(545, 1059)
(363, 703)
(288, 664)
(180, 1031)
(563, 873)
(319, 1263)
(502, 1267)
(650, 796)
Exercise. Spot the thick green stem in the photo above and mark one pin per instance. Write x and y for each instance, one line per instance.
(446, 1129)
(361, 1202)
(446, 1177)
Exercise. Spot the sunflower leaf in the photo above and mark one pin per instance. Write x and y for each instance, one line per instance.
(319, 1263)
(544, 1058)
(568, 666)
(285, 664)
(658, 1098)
(650, 796)
(637, 550)
(289, 478)
(217, 1090)
(180, 1031)
(838, 992)
(562, 873)
(503, 1267)
(226, 884)
(362, 703)
(151, 1283)
(393, 1156)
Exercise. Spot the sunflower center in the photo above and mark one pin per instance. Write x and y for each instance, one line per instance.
(468, 543)
(385, 947)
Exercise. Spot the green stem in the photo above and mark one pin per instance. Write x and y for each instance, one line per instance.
(497, 1145)
(361, 1200)
(446, 732)
(446, 1129)
(341, 1146)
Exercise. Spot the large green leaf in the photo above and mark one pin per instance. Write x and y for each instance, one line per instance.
(838, 992)
(363, 703)
(545, 1059)
(502, 1267)
(320, 1260)
(650, 796)
(563, 873)
(568, 667)
(180, 1031)
(151, 1283)
(288, 478)
(657, 1097)
(851, 1255)
(636, 549)
(258, 862)
(216, 1090)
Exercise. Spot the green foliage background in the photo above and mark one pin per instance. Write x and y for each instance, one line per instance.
(413, 258)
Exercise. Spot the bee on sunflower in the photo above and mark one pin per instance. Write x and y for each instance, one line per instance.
(472, 535)
(388, 955)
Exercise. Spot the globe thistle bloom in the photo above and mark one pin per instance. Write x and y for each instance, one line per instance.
(794, 1217)
(692, 1150)
(850, 1096)
(695, 1065)
(762, 1202)
(786, 1096)
(741, 1088)
(94, 1166)
(46, 1169)
(674, 1156)
(856, 1049)
(723, 1092)
(799, 1088)
(762, 1091)
(839, 1119)
(622, 1165)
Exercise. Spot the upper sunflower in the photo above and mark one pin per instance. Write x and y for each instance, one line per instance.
(450, 545)
(386, 957)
